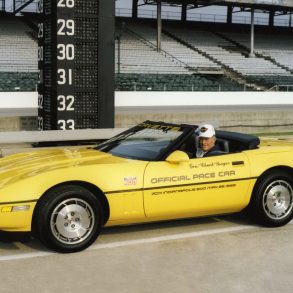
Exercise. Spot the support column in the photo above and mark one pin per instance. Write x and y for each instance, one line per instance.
(159, 25)
(272, 18)
(229, 14)
(183, 12)
(134, 8)
(119, 54)
(252, 35)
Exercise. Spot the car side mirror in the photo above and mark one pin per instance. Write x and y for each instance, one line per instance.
(177, 157)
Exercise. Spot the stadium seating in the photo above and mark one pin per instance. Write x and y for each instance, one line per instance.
(226, 53)
(201, 51)
(175, 68)
(191, 59)
(18, 51)
(173, 82)
(277, 46)
(138, 56)
(18, 81)
(18, 56)
(275, 82)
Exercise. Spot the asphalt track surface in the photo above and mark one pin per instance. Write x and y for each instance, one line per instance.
(218, 254)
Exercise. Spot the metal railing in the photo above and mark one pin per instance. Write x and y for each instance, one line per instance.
(32, 7)
(136, 86)
(203, 17)
(281, 88)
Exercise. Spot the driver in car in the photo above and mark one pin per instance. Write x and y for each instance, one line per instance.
(207, 141)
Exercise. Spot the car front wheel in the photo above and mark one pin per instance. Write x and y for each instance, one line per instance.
(68, 218)
(272, 203)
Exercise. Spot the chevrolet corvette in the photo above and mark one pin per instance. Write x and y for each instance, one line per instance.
(64, 196)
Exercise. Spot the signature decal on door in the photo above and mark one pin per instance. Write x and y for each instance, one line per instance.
(212, 164)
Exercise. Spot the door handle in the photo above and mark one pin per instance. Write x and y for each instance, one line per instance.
(238, 163)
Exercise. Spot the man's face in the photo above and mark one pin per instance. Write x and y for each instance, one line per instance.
(206, 143)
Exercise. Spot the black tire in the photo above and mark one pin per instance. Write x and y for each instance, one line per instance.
(68, 218)
(272, 201)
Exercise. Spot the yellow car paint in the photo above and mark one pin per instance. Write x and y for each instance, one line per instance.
(137, 191)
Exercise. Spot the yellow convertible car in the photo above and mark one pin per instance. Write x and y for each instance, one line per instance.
(64, 196)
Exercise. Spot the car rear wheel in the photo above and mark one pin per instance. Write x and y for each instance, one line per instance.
(68, 218)
(272, 203)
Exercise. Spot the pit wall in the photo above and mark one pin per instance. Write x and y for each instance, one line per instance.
(253, 112)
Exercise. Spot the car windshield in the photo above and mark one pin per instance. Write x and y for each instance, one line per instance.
(147, 141)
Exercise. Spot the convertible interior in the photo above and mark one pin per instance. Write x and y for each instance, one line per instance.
(228, 142)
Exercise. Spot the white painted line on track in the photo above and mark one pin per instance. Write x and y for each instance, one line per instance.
(170, 237)
(22, 256)
(180, 236)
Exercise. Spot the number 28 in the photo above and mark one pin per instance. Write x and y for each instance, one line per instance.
(66, 3)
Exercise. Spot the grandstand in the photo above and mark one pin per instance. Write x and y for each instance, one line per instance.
(18, 56)
(194, 56)
(203, 58)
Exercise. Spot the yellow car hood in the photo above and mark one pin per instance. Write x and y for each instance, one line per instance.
(40, 161)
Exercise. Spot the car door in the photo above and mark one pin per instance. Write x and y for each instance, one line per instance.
(196, 187)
